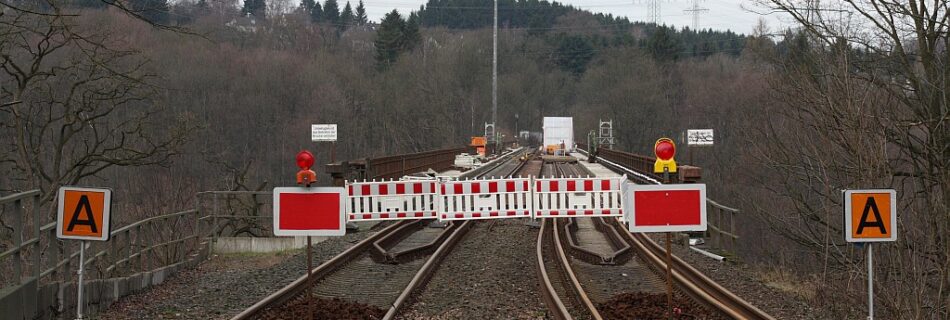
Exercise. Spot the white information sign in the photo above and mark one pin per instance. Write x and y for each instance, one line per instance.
(323, 132)
(699, 137)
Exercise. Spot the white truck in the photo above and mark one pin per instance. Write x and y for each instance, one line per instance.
(558, 130)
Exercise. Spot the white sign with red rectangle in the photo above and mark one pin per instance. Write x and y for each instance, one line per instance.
(391, 200)
(316, 211)
(569, 197)
(485, 199)
(665, 208)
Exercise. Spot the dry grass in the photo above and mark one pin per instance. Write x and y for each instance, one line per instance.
(784, 280)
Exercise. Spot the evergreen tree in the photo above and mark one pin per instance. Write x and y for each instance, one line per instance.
(307, 5)
(346, 16)
(155, 11)
(573, 54)
(360, 14)
(389, 39)
(412, 37)
(99, 4)
(316, 14)
(202, 8)
(331, 12)
(256, 8)
(663, 44)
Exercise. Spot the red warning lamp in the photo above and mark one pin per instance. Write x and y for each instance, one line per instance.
(665, 150)
(305, 161)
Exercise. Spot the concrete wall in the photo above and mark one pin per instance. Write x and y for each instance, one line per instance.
(261, 245)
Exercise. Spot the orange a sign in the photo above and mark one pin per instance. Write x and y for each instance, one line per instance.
(83, 213)
(870, 215)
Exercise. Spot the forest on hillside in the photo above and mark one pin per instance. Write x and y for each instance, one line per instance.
(162, 99)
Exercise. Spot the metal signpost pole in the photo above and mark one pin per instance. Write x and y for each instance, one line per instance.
(494, 82)
(669, 259)
(305, 177)
(669, 276)
(860, 207)
(689, 149)
(309, 279)
(870, 285)
(82, 262)
(96, 203)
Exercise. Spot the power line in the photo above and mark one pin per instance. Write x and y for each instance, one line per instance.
(696, 11)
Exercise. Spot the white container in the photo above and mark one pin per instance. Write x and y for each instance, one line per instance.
(559, 130)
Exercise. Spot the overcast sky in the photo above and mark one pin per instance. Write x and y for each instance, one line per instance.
(723, 14)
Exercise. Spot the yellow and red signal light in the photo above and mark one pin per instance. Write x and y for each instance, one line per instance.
(665, 151)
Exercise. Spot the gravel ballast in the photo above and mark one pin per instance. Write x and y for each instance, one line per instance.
(225, 285)
(491, 274)
(741, 280)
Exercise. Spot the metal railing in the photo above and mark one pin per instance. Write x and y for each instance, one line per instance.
(30, 250)
(141, 246)
(18, 245)
(33, 257)
(716, 226)
(236, 213)
(718, 216)
(636, 162)
(400, 165)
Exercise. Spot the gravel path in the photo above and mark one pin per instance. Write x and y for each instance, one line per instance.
(489, 275)
(225, 285)
(741, 279)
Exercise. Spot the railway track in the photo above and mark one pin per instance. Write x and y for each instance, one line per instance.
(379, 273)
(483, 264)
(585, 262)
(688, 280)
(581, 264)
(579, 259)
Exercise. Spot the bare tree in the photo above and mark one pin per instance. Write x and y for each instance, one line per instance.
(74, 102)
(864, 102)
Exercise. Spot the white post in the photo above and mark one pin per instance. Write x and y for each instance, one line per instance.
(82, 260)
(870, 285)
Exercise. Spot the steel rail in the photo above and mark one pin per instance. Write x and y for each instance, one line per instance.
(383, 248)
(690, 280)
(425, 273)
(428, 270)
(693, 282)
(621, 248)
(572, 276)
(295, 288)
(517, 168)
(548, 291)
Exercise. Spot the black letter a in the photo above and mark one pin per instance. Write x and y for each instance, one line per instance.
(91, 222)
(878, 222)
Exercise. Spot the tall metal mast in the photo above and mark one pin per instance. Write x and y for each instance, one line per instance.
(494, 76)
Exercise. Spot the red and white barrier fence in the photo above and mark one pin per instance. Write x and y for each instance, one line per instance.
(391, 200)
(569, 197)
(485, 199)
